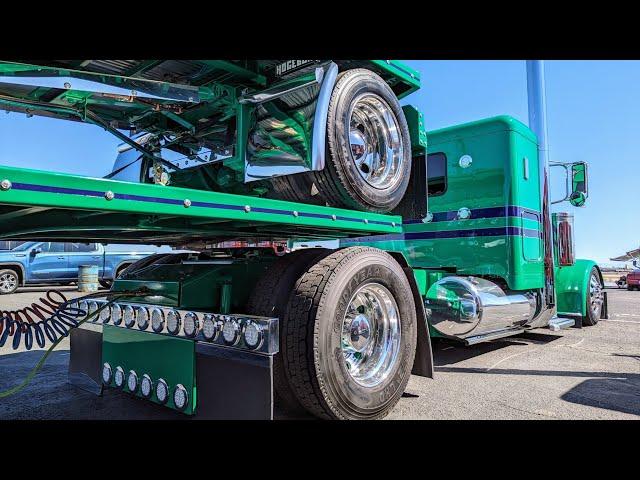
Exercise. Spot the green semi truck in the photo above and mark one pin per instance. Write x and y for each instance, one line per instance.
(441, 234)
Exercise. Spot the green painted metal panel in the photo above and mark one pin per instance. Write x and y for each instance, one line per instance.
(403, 72)
(502, 236)
(162, 292)
(572, 287)
(154, 209)
(417, 132)
(159, 356)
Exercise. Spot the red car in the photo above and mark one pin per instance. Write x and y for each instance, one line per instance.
(633, 280)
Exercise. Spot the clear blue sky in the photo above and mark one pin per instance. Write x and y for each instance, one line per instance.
(593, 114)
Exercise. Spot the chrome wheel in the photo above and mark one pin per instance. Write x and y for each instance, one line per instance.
(371, 335)
(596, 297)
(8, 282)
(376, 142)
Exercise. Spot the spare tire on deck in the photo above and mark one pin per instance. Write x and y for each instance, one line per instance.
(368, 161)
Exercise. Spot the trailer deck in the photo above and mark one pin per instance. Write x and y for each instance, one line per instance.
(40, 205)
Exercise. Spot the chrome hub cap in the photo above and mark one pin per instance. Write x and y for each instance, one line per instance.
(596, 297)
(8, 282)
(371, 335)
(376, 142)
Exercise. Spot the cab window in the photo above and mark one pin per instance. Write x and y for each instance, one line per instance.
(52, 247)
(436, 174)
(81, 247)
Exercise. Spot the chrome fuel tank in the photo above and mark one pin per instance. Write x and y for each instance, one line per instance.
(468, 306)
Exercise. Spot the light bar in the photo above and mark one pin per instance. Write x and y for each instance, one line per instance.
(247, 332)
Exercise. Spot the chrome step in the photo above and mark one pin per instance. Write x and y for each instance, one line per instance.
(485, 337)
(558, 323)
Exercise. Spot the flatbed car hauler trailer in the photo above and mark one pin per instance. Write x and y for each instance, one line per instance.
(285, 151)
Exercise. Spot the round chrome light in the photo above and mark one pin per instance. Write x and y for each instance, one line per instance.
(142, 317)
(253, 335)
(132, 381)
(162, 391)
(230, 331)
(180, 397)
(173, 322)
(116, 314)
(105, 314)
(191, 324)
(157, 320)
(465, 161)
(82, 305)
(106, 374)
(119, 377)
(146, 386)
(129, 316)
(210, 327)
(91, 308)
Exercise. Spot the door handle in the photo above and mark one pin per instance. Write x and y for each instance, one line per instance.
(61, 258)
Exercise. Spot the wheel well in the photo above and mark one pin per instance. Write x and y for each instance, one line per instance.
(17, 269)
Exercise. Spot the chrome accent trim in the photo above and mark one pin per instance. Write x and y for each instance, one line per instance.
(557, 323)
(485, 337)
(268, 326)
(319, 136)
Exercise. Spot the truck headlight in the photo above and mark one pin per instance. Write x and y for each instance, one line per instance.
(210, 327)
(146, 386)
(116, 314)
(191, 324)
(162, 391)
(230, 331)
(253, 335)
(180, 397)
(132, 381)
(157, 320)
(118, 377)
(173, 322)
(142, 317)
(107, 373)
(129, 316)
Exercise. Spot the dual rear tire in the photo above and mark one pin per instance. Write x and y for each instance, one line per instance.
(348, 331)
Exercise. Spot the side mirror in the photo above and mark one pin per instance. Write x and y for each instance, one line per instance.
(579, 184)
(35, 251)
(576, 183)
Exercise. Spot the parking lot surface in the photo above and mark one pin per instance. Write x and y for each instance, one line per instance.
(588, 373)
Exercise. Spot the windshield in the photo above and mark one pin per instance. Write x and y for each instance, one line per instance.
(24, 246)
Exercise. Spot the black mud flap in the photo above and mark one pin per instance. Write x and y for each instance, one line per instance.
(85, 362)
(423, 362)
(604, 314)
(233, 384)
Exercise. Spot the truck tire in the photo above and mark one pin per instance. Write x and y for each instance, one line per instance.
(350, 336)
(269, 298)
(9, 281)
(594, 299)
(365, 126)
